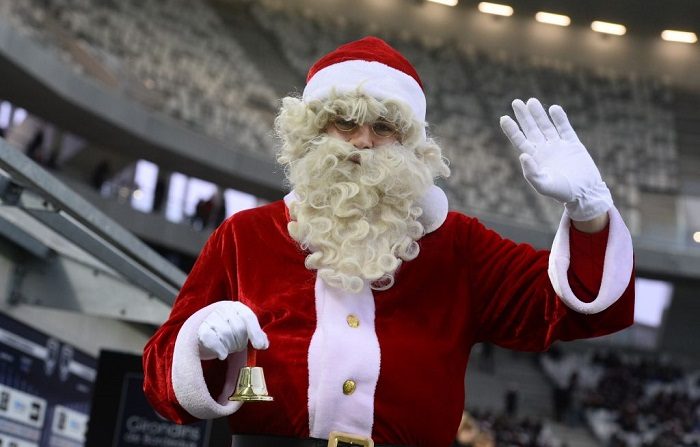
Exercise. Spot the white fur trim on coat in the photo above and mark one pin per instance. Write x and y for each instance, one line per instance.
(373, 78)
(434, 206)
(188, 378)
(617, 265)
(338, 353)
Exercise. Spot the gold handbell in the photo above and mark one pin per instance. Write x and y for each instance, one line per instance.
(251, 386)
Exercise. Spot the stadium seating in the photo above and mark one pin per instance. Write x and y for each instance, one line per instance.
(508, 431)
(626, 121)
(631, 400)
(182, 59)
(179, 51)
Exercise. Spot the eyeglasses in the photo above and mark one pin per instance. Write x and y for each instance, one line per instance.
(380, 128)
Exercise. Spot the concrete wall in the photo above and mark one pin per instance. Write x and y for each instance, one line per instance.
(86, 332)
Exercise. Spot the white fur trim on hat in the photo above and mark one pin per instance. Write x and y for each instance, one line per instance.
(188, 378)
(373, 78)
(617, 265)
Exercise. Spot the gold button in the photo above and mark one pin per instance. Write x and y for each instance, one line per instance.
(353, 321)
(349, 387)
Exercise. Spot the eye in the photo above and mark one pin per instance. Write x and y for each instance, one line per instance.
(384, 129)
(344, 125)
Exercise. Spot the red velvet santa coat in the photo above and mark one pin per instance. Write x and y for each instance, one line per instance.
(408, 355)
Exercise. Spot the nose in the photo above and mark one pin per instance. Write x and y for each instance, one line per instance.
(362, 137)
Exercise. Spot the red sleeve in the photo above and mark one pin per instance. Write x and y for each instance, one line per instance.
(213, 278)
(518, 306)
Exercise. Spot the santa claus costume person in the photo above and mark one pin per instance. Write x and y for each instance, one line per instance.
(361, 294)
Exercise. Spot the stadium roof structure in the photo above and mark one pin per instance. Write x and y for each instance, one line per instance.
(643, 17)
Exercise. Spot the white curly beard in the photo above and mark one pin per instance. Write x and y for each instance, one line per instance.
(356, 211)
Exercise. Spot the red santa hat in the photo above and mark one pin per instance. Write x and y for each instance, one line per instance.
(372, 65)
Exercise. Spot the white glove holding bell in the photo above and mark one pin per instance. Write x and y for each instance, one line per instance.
(227, 329)
(554, 161)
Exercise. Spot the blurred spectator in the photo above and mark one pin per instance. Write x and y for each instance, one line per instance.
(511, 400)
(159, 195)
(219, 213)
(627, 420)
(487, 361)
(202, 213)
(34, 148)
(503, 430)
(467, 432)
(484, 439)
(100, 175)
(617, 441)
(559, 402)
(573, 401)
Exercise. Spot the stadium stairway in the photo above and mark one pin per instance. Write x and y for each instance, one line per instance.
(488, 381)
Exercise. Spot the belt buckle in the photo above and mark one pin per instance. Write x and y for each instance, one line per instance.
(339, 439)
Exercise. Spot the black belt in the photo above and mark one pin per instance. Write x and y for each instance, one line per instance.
(282, 441)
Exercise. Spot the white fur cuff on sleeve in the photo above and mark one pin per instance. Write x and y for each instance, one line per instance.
(188, 378)
(617, 265)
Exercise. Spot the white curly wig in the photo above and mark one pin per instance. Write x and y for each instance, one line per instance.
(358, 219)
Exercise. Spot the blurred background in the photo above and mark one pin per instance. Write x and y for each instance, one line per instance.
(131, 129)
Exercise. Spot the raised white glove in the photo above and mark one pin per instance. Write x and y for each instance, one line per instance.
(227, 329)
(554, 161)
